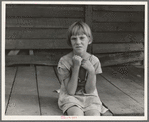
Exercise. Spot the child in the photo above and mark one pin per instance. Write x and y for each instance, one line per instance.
(77, 73)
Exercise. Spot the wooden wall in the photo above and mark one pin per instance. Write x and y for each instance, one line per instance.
(36, 34)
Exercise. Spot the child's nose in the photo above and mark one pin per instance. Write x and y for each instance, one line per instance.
(78, 41)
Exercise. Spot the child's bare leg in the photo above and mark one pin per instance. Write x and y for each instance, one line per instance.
(75, 111)
(92, 113)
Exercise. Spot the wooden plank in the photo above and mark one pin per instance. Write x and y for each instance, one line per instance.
(118, 37)
(136, 71)
(132, 72)
(118, 8)
(106, 16)
(24, 52)
(120, 47)
(52, 60)
(47, 83)
(118, 102)
(41, 22)
(57, 53)
(135, 63)
(120, 58)
(13, 52)
(24, 98)
(7, 51)
(35, 33)
(88, 15)
(118, 27)
(37, 44)
(123, 81)
(27, 59)
(44, 11)
(10, 73)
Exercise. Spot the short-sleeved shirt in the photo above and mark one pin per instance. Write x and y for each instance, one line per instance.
(80, 99)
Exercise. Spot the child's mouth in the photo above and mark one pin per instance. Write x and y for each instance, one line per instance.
(79, 47)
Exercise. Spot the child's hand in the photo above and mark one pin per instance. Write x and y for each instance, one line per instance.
(86, 64)
(76, 60)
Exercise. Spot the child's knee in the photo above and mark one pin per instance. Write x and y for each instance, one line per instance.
(92, 113)
(75, 111)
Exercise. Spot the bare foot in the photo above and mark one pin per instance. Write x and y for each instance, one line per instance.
(107, 113)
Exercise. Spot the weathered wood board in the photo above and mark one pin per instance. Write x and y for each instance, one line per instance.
(112, 37)
(132, 72)
(52, 60)
(47, 83)
(30, 59)
(40, 22)
(120, 47)
(44, 11)
(111, 16)
(126, 8)
(120, 58)
(24, 97)
(37, 44)
(125, 84)
(10, 73)
(30, 33)
(117, 101)
(118, 27)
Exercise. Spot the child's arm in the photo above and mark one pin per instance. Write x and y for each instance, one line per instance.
(91, 80)
(71, 85)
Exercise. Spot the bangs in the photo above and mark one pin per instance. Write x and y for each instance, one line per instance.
(77, 30)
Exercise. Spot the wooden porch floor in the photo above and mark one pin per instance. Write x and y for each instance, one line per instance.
(29, 90)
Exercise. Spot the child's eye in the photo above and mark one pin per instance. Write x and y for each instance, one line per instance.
(73, 38)
(82, 37)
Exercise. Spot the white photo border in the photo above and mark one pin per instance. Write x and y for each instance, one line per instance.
(4, 117)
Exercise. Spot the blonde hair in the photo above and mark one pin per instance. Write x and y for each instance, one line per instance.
(79, 28)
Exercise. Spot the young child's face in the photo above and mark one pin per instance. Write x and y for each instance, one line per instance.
(79, 43)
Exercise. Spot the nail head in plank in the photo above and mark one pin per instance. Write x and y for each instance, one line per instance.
(24, 98)
(47, 83)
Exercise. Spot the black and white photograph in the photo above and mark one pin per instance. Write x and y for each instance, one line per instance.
(73, 60)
